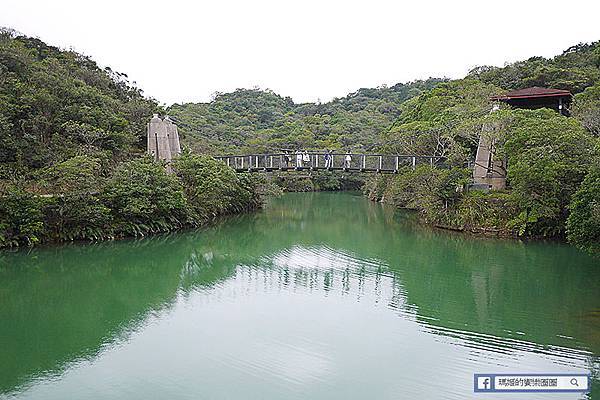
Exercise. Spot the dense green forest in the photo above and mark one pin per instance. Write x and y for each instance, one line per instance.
(57, 104)
(575, 70)
(260, 120)
(553, 161)
(72, 155)
(72, 143)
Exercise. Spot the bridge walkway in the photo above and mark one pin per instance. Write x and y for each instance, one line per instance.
(314, 161)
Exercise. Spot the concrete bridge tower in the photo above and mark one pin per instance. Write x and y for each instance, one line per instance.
(173, 136)
(163, 139)
(489, 171)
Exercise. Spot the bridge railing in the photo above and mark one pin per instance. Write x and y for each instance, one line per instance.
(317, 161)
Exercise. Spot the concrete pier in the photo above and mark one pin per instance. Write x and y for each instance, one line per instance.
(163, 139)
(173, 136)
(488, 169)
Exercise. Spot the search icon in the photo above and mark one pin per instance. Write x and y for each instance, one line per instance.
(574, 382)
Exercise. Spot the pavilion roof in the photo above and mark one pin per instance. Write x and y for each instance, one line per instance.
(532, 92)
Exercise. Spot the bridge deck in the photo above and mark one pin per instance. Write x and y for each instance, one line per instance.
(269, 169)
(358, 163)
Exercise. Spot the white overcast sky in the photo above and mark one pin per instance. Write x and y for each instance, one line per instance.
(182, 51)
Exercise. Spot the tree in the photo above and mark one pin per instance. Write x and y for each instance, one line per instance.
(74, 210)
(577, 68)
(76, 175)
(586, 108)
(21, 218)
(445, 121)
(583, 225)
(259, 120)
(144, 198)
(548, 157)
(212, 188)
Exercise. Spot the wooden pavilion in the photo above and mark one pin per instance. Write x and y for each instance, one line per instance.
(537, 97)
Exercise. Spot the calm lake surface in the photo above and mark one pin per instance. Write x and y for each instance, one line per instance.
(319, 296)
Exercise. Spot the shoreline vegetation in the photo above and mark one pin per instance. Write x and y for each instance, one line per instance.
(73, 163)
(552, 162)
(138, 199)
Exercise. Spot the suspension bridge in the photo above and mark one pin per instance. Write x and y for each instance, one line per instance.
(314, 161)
(163, 144)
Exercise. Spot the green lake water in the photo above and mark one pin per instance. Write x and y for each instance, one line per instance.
(318, 296)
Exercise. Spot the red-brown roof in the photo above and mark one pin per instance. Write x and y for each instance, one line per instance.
(532, 92)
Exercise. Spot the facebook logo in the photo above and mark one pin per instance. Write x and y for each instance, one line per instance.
(483, 383)
(532, 382)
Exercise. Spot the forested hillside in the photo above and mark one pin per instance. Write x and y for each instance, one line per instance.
(56, 104)
(74, 133)
(553, 161)
(260, 120)
(575, 69)
(72, 155)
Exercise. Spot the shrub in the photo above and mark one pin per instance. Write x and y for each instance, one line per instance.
(75, 216)
(408, 185)
(375, 187)
(480, 211)
(438, 190)
(327, 180)
(75, 175)
(586, 108)
(21, 218)
(583, 225)
(212, 188)
(144, 198)
(432, 191)
(549, 156)
(290, 182)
